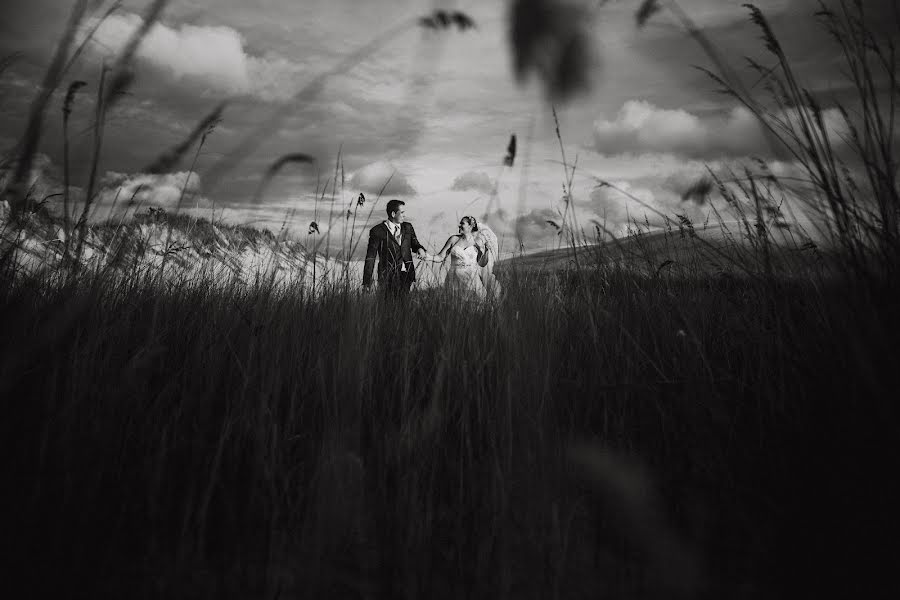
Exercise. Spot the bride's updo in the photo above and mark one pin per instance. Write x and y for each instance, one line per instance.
(471, 221)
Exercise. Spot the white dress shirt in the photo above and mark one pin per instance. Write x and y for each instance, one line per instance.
(395, 229)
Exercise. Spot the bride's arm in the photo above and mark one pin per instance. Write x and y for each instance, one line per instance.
(484, 254)
(444, 252)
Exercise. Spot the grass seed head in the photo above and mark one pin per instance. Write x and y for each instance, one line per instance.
(698, 191)
(70, 96)
(443, 20)
(552, 39)
(510, 151)
(647, 9)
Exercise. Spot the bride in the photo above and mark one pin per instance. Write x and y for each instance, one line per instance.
(472, 254)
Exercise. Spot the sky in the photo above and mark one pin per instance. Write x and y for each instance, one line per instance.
(431, 110)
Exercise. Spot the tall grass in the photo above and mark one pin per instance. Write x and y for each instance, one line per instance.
(200, 438)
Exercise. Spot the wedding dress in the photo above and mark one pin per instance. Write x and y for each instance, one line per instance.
(464, 276)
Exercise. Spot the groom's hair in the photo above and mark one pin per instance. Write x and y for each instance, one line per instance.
(393, 206)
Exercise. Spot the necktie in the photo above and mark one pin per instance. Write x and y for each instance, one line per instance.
(397, 237)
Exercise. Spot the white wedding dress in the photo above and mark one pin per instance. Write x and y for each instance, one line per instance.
(464, 276)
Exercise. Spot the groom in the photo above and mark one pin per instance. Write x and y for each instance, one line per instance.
(392, 242)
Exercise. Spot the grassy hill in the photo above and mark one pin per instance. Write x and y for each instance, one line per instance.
(721, 249)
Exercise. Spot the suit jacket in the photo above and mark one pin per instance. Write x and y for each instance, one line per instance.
(391, 256)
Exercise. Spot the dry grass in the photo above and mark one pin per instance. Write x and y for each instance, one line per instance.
(203, 439)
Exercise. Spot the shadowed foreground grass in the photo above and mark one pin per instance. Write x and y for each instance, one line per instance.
(204, 441)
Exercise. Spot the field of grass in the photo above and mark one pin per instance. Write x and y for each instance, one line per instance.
(599, 432)
(681, 414)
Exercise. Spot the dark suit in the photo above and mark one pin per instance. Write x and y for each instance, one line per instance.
(392, 257)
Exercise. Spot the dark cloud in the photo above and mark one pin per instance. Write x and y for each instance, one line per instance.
(31, 27)
(814, 56)
(473, 181)
(682, 181)
(43, 180)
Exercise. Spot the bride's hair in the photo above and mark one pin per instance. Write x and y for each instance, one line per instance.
(471, 221)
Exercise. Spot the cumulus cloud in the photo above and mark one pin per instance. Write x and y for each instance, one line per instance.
(274, 78)
(615, 209)
(641, 127)
(125, 191)
(473, 181)
(211, 57)
(152, 190)
(372, 177)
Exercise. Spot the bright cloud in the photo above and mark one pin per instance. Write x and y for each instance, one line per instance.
(473, 180)
(167, 190)
(535, 229)
(373, 177)
(212, 57)
(643, 127)
(615, 209)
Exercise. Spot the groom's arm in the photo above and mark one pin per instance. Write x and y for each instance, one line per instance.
(371, 254)
(414, 244)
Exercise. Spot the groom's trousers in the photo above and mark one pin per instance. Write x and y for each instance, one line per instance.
(395, 287)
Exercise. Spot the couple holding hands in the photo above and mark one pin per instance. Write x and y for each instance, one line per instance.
(472, 255)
